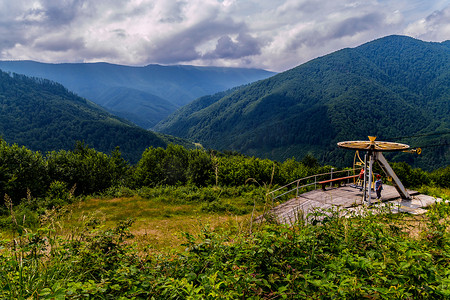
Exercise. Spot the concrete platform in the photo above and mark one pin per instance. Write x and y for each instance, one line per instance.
(348, 200)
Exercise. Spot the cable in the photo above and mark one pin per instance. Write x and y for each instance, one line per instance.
(420, 135)
(432, 146)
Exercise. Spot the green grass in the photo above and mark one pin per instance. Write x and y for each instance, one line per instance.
(176, 250)
(161, 214)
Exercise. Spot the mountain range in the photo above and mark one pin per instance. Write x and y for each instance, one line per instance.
(44, 116)
(396, 88)
(142, 95)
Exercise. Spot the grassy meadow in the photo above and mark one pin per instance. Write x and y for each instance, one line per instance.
(161, 215)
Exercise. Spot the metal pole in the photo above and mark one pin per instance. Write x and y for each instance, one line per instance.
(370, 176)
(331, 174)
(365, 179)
(390, 172)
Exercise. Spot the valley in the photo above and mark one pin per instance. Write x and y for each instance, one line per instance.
(95, 206)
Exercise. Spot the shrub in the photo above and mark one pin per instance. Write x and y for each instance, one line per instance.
(91, 171)
(441, 177)
(410, 177)
(220, 206)
(21, 171)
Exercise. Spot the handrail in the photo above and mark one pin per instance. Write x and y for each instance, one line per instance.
(298, 186)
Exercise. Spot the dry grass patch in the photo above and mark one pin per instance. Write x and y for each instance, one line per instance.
(158, 225)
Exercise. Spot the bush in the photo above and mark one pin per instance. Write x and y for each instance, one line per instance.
(22, 171)
(58, 190)
(90, 171)
(349, 258)
(441, 177)
(200, 170)
(119, 191)
(410, 177)
(219, 206)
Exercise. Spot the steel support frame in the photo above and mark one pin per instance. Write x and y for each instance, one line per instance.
(367, 186)
(390, 172)
(369, 159)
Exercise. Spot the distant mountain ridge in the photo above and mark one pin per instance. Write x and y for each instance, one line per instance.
(393, 87)
(44, 116)
(146, 94)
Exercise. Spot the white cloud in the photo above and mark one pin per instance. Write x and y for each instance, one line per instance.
(275, 35)
(435, 27)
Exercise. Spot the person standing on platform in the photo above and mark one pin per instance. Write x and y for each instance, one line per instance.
(361, 179)
(378, 186)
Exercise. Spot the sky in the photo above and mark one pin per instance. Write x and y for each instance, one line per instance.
(275, 35)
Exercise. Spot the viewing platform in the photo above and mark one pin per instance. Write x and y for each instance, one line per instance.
(357, 196)
(349, 200)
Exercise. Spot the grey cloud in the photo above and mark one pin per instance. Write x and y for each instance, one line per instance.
(174, 13)
(60, 44)
(181, 47)
(26, 26)
(119, 13)
(175, 50)
(245, 45)
(120, 33)
(263, 33)
(352, 26)
(14, 33)
(10, 36)
(314, 37)
(300, 9)
(98, 53)
(56, 13)
(435, 27)
(440, 17)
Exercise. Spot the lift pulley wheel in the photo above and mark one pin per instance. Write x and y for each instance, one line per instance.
(373, 145)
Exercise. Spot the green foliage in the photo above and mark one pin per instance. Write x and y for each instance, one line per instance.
(349, 258)
(21, 170)
(86, 169)
(59, 192)
(381, 89)
(83, 171)
(159, 166)
(221, 196)
(177, 166)
(441, 177)
(438, 232)
(200, 170)
(220, 206)
(237, 169)
(45, 116)
(410, 177)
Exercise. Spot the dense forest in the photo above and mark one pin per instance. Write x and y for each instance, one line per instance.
(395, 88)
(143, 95)
(43, 115)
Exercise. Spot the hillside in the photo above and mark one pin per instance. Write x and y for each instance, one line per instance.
(394, 87)
(43, 115)
(143, 95)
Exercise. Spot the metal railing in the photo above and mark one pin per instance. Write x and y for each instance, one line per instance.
(306, 182)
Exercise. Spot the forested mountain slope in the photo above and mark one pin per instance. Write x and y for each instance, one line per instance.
(393, 88)
(143, 95)
(43, 115)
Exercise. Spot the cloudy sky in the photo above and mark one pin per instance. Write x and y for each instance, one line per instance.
(272, 34)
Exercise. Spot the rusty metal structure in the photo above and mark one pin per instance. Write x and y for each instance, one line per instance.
(374, 154)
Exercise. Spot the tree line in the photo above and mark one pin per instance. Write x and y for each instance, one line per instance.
(85, 171)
